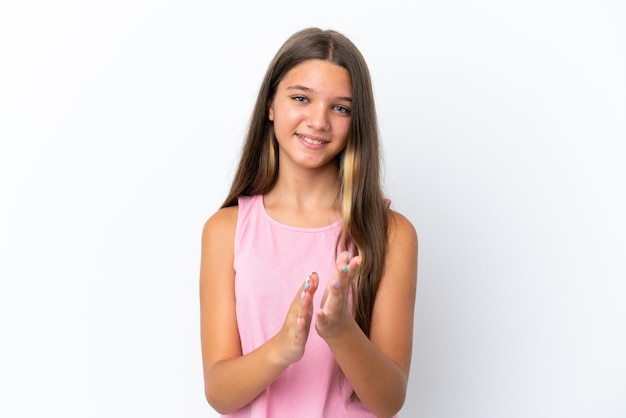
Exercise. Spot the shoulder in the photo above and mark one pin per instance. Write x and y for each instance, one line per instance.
(218, 238)
(224, 217)
(402, 248)
(401, 230)
(221, 224)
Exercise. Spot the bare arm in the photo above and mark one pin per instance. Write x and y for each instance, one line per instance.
(377, 368)
(232, 379)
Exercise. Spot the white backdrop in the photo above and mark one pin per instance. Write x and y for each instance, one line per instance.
(503, 126)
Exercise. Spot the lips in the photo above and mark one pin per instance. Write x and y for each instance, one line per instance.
(312, 140)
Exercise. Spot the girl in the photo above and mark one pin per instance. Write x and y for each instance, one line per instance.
(306, 237)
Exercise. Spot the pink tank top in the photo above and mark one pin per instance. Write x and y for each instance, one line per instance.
(271, 261)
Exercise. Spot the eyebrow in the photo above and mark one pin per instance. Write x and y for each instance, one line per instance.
(308, 90)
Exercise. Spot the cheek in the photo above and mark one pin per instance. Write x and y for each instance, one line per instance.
(344, 127)
(286, 116)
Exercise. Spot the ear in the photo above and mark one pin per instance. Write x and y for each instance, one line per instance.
(270, 111)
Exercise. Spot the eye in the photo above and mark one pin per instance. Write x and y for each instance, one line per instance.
(300, 99)
(343, 109)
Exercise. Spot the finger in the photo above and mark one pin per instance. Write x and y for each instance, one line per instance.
(346, 270)
(304, 300)
(342, 268)
(322, 320)
(333, 296)
(337, 289)
(353, 266)
(309, 286)
(343, 260)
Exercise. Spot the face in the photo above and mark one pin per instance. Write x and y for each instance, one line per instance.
(311, 113)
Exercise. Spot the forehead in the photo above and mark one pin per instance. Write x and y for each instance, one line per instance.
(319, 76)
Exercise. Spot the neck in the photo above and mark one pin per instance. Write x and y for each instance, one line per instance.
(305, 197)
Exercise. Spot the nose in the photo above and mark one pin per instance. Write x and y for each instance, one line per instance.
(318, 118)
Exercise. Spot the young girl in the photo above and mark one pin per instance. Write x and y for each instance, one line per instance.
(305, 239)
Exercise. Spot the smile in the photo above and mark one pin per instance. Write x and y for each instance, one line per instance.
(311, 141)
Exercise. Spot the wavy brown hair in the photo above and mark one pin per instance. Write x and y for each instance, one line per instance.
(363, 207)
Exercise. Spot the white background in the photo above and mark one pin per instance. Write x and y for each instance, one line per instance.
(503, 126)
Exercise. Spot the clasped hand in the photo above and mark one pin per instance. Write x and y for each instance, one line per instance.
(331, 318)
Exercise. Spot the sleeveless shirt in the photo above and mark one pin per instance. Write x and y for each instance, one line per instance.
(271, 261)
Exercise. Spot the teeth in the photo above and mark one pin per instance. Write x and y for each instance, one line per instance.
(312, 141)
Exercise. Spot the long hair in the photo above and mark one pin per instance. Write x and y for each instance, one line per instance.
(363, 208)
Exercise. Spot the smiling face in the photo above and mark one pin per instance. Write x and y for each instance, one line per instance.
(311, 113)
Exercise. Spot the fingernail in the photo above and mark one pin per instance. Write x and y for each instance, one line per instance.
(303, 294)
(345, 269)
(348, 254)
(306, 283)
(336, 284)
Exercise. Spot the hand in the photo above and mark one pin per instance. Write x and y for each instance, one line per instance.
(334, 316)
(294, 333)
